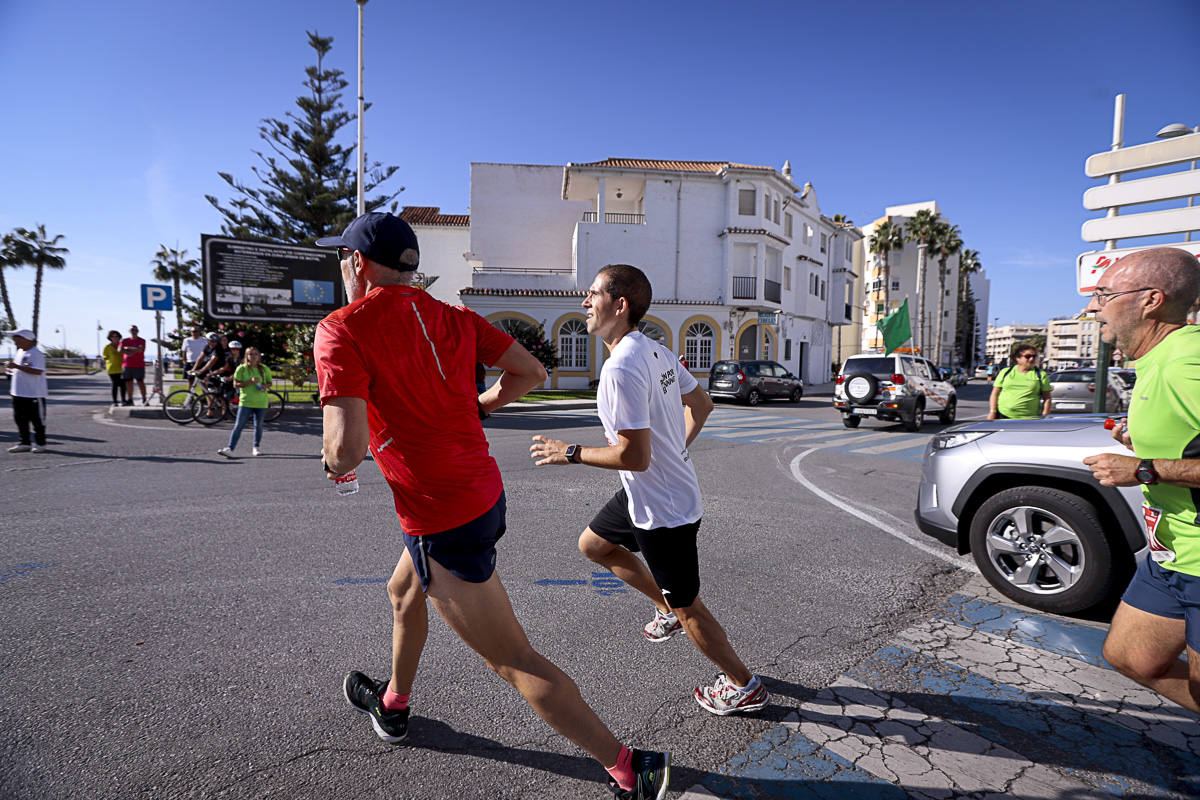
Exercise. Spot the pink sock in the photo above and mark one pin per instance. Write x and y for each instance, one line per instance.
(393, 701)
(623, 771)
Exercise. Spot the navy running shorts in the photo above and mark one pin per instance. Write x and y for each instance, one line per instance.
(468, 552)
(133, 373)
(1167, 593)
(670, 553)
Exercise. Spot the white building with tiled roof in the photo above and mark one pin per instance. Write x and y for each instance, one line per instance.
(443, 238)
(742, 262)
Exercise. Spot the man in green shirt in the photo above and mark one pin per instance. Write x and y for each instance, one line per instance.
(1023, 391)
(1142, 304)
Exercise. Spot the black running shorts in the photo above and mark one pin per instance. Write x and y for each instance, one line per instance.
(670, 553)
(468, 552)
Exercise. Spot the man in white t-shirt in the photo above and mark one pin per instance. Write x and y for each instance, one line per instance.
(190, 351)
(28, 391)
(652, 410)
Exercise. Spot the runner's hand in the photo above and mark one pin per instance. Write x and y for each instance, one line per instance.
(1113, 470)
(547, 451)
(1121, 432)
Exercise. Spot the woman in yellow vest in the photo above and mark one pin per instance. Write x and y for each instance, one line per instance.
(112, 365)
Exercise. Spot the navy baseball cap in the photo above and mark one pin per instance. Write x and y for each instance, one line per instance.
(383, 238)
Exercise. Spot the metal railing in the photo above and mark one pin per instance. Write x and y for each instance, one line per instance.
(771, 291)
(616, 218)
(745, 288)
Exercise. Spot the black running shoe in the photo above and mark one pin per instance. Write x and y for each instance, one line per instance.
(652, 771)
(363, 694)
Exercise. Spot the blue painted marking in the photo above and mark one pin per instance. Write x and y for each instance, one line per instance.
(603, 583)
(1073, 740)
(1065, 638)
(21, 570)
(351, 581)
(549, 582)
(787, 764)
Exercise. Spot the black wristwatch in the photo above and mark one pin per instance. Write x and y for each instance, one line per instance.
(1146, 473)
(573, 453)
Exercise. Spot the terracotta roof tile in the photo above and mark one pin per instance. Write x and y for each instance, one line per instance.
(432, 215)
(712, 167)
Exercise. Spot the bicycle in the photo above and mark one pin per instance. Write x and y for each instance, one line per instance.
(179, 405)
(213, 405)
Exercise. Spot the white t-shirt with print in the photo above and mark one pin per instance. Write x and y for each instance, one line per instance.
(24, 384)
(640, 387)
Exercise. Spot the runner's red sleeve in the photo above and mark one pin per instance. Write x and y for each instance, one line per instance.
(490, 341)
(341, 371)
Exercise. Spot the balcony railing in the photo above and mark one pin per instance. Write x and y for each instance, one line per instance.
(771, 291)
(745, 288)
(616, 218)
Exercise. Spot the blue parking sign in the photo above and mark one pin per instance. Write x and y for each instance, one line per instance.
(156, 297)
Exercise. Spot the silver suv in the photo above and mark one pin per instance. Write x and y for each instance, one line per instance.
(893, 387)
(1074, 390)
(1017, 496)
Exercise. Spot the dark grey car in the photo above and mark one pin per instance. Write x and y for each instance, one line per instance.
(753, 381)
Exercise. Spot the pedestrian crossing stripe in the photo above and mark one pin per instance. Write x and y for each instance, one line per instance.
(946, 708)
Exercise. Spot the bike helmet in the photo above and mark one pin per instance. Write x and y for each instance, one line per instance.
(235, 344)
(213, 337)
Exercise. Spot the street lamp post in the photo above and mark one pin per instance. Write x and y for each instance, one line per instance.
(63, 330)
(362, 203)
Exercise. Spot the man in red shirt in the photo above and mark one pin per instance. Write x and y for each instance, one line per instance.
(133, 364)
(396, 370)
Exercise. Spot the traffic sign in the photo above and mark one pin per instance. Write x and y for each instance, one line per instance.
(1090, 266)
(1146, 190)
(1144, 156)
(156, 297)
(1153, 223)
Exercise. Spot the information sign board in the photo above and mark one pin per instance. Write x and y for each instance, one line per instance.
(263, 282)
(768, 317)
(1090, 266)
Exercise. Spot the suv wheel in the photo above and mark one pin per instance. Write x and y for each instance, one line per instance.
(797, 393)
(913, 423)
(850, 420)
(946, 415)
(1044, 548)
(754, 397)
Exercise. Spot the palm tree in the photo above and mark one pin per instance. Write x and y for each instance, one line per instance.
(887, 237)
(921, 229)
(10, 258)
(947, 241)
(968, 262)
(36, 250)
(175, 266)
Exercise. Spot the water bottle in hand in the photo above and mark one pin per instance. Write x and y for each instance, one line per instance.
(346, 484)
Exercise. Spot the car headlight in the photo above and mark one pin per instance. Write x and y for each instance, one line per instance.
(944, 441)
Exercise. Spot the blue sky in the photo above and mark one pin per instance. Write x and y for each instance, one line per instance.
(121, 114)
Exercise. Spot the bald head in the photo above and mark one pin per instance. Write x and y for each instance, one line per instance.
(1173, 271)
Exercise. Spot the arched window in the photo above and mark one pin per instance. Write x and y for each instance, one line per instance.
(653, 331)
(513, 326)
(698, 343)
(573, 342)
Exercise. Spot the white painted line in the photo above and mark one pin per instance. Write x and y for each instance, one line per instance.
(59, 464)
(731, 434)
(172, 427)
(890, 530)
(844, 437)
(914, 440)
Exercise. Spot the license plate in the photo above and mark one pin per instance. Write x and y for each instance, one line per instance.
(1072, 406)
(865, 412)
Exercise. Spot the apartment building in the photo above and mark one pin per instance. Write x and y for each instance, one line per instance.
(742, 261)
(1002, 338)
(1071, 342)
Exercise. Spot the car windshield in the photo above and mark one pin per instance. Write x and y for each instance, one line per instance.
(1072, 377)
(883, 365)
(725, 368)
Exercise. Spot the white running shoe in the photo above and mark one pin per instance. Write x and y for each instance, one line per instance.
(225, 451)
(723, 698)
(37, 448)
(19, 448)
(256, 452)
(662, 627)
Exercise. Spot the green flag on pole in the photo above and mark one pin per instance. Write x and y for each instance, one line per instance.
(895, 328)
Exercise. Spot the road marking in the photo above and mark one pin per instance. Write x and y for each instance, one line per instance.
(173, 427)
(728, 434)
(890, 530)
(914, 440)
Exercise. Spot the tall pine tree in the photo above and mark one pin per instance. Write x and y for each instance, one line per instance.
(305, 187)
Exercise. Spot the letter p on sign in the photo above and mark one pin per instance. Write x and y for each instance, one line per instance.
(156, 297)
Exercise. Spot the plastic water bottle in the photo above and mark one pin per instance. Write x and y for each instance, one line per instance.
(347, 484)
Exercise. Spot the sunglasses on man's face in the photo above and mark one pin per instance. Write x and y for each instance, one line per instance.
(344, 253)
(1027, 355)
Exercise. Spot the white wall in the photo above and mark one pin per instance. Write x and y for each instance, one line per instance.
(442, 248)
(518, 217)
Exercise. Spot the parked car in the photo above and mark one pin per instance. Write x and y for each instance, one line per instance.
(1016, 495)
(955, 376)
(1073, 390)
(892, 387)
(753, 381)
(981, 371)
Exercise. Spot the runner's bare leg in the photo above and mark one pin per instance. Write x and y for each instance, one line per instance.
(622, 563)
(410, 623)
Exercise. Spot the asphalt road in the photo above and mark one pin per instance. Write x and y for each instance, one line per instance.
(178, 625)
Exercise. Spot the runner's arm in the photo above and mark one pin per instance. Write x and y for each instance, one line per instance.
(1046, 402)
(631, 452)
(995, 398)
(346, 434)
(697, 406)
(522, 372)
(1113, 469)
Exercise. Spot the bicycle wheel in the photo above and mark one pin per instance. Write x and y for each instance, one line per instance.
(210, 408)
(178, 406)
(274, 406)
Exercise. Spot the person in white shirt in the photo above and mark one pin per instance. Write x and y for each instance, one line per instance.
(28, 391)
(191, 350)
(651, 410)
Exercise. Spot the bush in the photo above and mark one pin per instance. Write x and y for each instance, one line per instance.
(534, 340)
